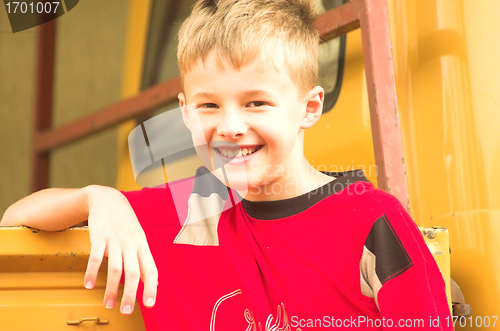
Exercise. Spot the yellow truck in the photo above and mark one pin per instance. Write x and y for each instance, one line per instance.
(446, 60)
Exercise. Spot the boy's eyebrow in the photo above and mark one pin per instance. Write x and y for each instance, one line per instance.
(203, 95)
(254, 93)
(251, 93)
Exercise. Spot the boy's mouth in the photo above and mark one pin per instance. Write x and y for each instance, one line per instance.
(231, 152)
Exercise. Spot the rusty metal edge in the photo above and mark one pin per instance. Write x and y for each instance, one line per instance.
(338, 21)
(122, 111)
(381, 86)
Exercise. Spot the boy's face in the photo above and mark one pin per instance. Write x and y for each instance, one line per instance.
(254, 112)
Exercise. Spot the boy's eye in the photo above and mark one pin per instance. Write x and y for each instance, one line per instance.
(208, 105)
(257, 104)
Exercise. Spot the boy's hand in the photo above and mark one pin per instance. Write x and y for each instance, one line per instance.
(116, 233)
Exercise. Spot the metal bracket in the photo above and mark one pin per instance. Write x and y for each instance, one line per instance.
(460, 308)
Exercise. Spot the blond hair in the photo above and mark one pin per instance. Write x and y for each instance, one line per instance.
(239, 31)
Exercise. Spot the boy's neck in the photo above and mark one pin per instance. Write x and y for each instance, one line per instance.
(290, 185)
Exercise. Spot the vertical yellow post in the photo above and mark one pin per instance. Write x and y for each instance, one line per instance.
(132, 73)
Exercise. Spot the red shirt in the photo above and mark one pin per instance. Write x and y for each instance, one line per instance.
(345, 255)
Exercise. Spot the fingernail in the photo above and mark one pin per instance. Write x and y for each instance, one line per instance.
(109, 304)
(150, 302)
(88, 285)
(127, 309)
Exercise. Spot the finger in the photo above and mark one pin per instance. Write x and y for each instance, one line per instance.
(132, 275)
(114, 275)
(149, 275)
(95, 259)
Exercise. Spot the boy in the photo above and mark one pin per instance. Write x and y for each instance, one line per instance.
(286, 247)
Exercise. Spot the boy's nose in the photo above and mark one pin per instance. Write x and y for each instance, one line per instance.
(231, 126)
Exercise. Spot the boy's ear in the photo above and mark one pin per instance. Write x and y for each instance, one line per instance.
(184, 109)
(314, 106)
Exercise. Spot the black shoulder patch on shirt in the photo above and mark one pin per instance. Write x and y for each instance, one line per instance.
(390, 255)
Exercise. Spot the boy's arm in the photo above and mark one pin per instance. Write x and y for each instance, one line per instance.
(114, 232)
(415, 298)
(50, 209)
(399, 268)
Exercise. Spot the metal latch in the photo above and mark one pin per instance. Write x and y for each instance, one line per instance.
(88, 319)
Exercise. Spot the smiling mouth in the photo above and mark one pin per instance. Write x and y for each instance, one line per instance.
(234, 153)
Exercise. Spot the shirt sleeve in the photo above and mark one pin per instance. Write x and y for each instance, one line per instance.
(400, 273)
(153, 206)
(162, 205)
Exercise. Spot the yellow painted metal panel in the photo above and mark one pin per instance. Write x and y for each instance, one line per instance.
(41, 276)
(132, 74)
(447, 65)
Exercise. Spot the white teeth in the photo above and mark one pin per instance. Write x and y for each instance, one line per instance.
(238, 153)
